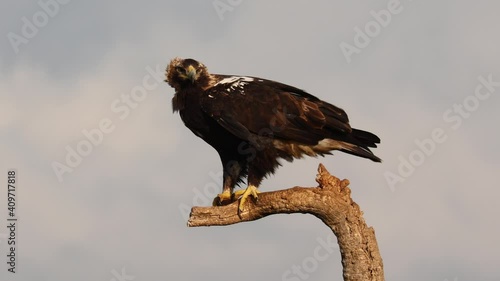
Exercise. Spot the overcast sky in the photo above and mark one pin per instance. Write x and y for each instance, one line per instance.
(84, 77)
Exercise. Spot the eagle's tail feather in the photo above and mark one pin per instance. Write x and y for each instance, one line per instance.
(365, 138)
(360, 149)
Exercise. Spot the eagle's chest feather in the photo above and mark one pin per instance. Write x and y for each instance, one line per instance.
(191, 113)
(197, 120)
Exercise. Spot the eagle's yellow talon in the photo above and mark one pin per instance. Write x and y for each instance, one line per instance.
(250, 190)
(224, 196)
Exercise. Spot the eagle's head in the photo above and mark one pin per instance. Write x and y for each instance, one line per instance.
(184, 73)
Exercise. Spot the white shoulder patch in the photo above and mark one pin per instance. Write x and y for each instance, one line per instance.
(235, 82)
(234, 79)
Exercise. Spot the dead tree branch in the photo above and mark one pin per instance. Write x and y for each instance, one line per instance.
(331, 202)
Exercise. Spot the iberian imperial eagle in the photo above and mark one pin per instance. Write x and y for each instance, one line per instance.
(252, 122)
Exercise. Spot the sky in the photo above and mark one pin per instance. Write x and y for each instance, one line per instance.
(106, 174)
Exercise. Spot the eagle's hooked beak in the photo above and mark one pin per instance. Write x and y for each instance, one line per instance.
(191, 73)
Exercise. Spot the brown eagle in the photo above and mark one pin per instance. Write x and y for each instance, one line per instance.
(253, 122)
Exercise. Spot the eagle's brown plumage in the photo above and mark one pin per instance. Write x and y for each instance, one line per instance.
(252, 122)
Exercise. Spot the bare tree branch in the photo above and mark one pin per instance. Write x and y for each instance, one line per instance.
(330, 202)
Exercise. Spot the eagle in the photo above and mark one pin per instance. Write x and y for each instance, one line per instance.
(253, 123)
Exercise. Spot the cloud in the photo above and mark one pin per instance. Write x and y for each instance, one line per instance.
(119, 207)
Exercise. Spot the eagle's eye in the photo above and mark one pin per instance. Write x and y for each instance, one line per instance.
(180, 69)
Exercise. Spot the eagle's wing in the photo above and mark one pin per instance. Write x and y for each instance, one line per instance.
(253, 108)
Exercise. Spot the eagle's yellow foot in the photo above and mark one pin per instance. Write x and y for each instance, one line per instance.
(221, 198)
(250, 190)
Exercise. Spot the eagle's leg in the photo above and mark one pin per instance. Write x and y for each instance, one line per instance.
(232, 171)
(254, 179)
(250, 190)
(222, 197)
(226, 194)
